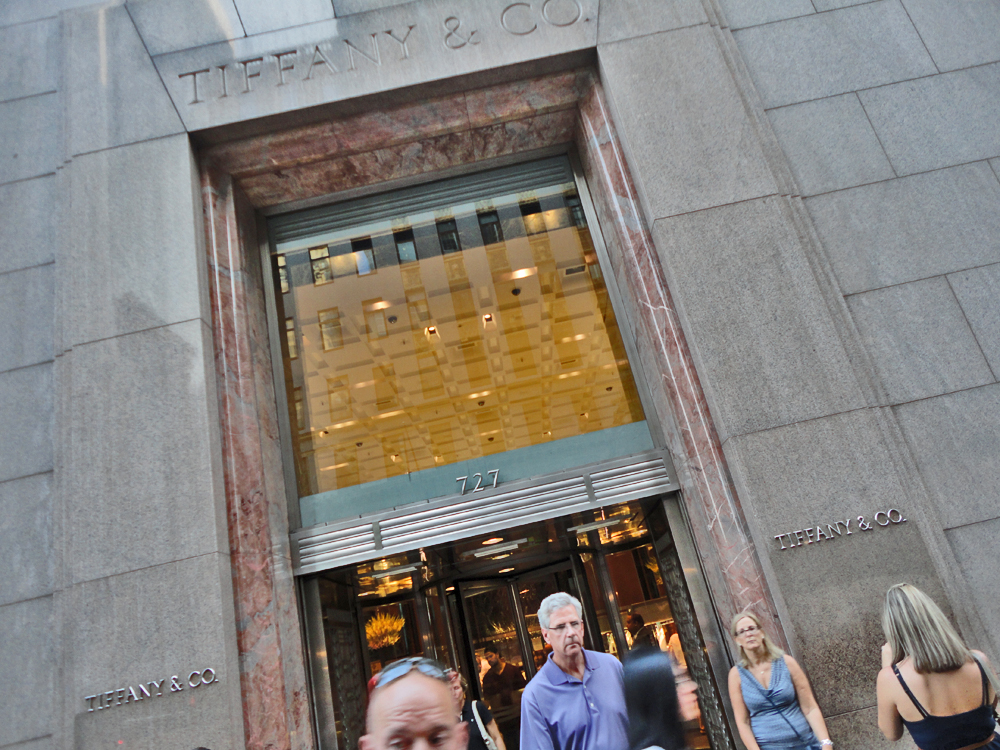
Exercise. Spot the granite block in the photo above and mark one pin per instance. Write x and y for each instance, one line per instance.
(147, 485)
(35, 47)
(743, 13)
(150, 625)
(27, 308)
(29, 137)
(26, 537)
(958, 33)
(29, 662)
(624, 19)
(28, 241)
(680, 116)
(350, 7)
(26, 417)
(138, 240)
(259, 16)
(832, 53)
(367, 53)
(971, 545)
(858, 730)
(760, 332)
(977, 291)
(822, 5)
(171, 25)
(817, 473)
(830, 144)
(938, 121)
(919, 341)
(911, 228)
(113, 93)
(24, 11)
(955, 443)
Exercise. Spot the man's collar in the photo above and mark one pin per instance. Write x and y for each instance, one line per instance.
(558, 677)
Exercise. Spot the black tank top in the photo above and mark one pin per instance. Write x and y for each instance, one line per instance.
(950, 732)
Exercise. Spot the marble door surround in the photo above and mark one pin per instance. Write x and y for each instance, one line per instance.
(242, 178)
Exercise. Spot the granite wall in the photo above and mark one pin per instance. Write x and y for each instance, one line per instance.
(820, 182)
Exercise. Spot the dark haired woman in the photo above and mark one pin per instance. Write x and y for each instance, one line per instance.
(654, 712)
(931, 682)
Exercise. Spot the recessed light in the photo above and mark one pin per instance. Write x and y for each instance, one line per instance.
(507, 570)
(431, 330)
(450, 588)
(595, 525)
(508, 547)
(488, 318)
(494, 540)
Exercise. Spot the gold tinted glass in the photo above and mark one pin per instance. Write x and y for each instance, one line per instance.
(461, 333)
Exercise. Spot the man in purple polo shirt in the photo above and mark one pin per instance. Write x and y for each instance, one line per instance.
(576, 701)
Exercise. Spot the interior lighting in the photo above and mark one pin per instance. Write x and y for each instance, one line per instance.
(398, 570)
(488, 318)
(450, 588)
(507, 570)
(431, 330)
(493, 540)
(594, 526)
(508, 547)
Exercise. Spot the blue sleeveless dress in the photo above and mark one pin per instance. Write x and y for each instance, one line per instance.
(775, 716)
(956, 731)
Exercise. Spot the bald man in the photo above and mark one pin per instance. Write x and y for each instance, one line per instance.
(414, 709)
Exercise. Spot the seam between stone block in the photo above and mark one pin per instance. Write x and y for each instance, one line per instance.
(19, 743)
(14, 604)
(920, 36)
(971, 329)
(27, 268)
(908, 175)
(28, 179)
(653, 33)
(720, 205)
(852, 711)
(28, 96)
(140, 330)
(131, 143)
(875, 132)
(25, 367)
(971, 523)
(922, 278)
(83, 581)
(27, 476)
(939, 395)
(804, 421)
(163, 83)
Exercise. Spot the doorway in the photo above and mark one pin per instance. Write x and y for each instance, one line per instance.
(472, 604)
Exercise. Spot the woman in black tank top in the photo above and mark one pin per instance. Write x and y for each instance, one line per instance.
(953, 678)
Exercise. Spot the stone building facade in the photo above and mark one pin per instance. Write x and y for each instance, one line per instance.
(797, 201)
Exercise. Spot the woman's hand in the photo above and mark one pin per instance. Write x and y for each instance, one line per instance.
(886, 656)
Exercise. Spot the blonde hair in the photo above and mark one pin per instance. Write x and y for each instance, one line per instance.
(916, 627)
(773, 652)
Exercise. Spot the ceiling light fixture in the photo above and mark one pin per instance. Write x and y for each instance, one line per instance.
(493, 540)
(508, 547)
(398, 570)
(507, 570)
(595, 525)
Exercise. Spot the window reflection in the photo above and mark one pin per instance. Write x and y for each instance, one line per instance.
(465, 331)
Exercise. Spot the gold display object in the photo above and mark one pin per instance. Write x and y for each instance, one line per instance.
(383, 630)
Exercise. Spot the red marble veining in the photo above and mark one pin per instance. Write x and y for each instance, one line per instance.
(376, 147)
(735, 575)
(268, 721)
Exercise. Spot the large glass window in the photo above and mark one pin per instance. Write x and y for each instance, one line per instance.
(450, 333)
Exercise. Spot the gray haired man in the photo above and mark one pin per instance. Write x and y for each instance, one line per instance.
(577, 699)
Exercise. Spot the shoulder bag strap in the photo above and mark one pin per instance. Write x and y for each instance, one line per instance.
(767, 697)
(490, 744)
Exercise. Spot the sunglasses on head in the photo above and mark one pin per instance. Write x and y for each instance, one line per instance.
(403, 667)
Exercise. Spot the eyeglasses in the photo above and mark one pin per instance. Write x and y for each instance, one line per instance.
(747, 630)
(403, 667)
(560, 629)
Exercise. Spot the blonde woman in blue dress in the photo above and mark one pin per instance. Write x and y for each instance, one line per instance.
(772, 700)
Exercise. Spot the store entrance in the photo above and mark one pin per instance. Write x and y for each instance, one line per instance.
(473, 605)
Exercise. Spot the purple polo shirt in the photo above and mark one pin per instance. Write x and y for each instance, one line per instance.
(559, 712)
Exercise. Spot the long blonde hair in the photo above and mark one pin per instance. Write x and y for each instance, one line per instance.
(916, 627)
(773, 652)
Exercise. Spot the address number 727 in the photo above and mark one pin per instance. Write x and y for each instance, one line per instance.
(495, 473)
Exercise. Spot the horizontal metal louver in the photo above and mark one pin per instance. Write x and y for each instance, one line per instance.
(292, 229)
(447, 519)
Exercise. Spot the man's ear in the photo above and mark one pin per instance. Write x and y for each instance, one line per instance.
(545, 636)
(366, 742)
